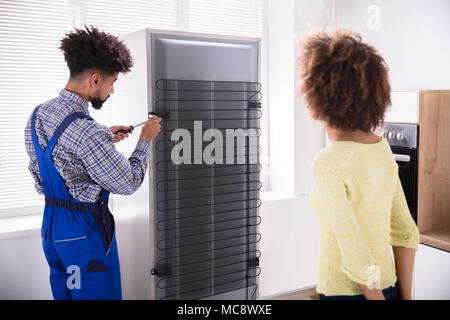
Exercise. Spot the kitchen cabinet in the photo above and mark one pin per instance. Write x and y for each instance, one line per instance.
(431, 274)
(404, 107)
(289, 246)
(433, 209)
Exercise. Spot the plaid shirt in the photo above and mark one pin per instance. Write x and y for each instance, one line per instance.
(85, 155)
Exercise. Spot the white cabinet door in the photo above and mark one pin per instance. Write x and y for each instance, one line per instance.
(432, 274)
(405, 107)
(289, 246)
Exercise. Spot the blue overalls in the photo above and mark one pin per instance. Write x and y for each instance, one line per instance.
(78, 237)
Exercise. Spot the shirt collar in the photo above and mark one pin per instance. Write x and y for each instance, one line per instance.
(77, 102)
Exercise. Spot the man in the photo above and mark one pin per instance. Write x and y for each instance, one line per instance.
(75, 164)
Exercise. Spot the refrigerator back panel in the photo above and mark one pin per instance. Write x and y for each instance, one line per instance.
(206, 201)
(203, 58)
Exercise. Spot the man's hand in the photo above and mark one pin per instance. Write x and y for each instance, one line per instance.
(150, 129)
(119, 136)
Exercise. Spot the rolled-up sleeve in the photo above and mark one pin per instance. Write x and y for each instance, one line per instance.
(404, 232)
(358, 262)
(110, 168)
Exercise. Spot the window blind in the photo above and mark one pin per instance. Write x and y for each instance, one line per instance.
(32, 70)
(231, 17)
(122, 17)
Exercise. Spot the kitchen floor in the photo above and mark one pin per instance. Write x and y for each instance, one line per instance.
(308, 294)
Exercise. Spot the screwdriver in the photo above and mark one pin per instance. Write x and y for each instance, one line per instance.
(151, 113)
(132, 127)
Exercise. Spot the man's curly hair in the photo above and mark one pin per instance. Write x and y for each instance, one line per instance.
(344, 80)
(94, 49)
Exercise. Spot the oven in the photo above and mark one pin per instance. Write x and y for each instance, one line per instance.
(404, 141)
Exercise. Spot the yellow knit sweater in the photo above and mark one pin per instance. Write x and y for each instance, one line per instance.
(362, 211)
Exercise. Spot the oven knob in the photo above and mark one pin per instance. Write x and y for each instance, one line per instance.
(383, 134)
(391, 135)
(400, 136)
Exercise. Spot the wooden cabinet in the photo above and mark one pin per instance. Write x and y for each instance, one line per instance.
(433, 210)
(432, 265)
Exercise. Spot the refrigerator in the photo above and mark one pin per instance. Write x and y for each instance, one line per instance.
(201, 191)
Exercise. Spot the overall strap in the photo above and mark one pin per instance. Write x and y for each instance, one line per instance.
(59, 130)
(67, 121)
(52, 184)
(62, 127)
(104, 194)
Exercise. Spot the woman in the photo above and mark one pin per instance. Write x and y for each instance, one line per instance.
(357, 194)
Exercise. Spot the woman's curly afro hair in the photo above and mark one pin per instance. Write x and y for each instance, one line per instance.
(94, 49)
(344, 80)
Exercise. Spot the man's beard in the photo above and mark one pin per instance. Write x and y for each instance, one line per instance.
(97, 103)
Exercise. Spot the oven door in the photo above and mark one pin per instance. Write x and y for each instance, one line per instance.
(406, 159)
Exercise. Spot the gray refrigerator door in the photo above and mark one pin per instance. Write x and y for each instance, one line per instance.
(206, 207)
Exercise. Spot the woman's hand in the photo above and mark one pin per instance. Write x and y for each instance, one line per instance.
(404, 265)
(119, 136)
(371, 294)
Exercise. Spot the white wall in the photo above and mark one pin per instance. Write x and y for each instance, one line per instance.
(309, 133)
(289, 242)
(413, 36)
(24, 272)
(280, 39)
(23, 268)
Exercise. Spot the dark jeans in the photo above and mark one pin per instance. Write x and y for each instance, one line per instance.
(390, 293)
